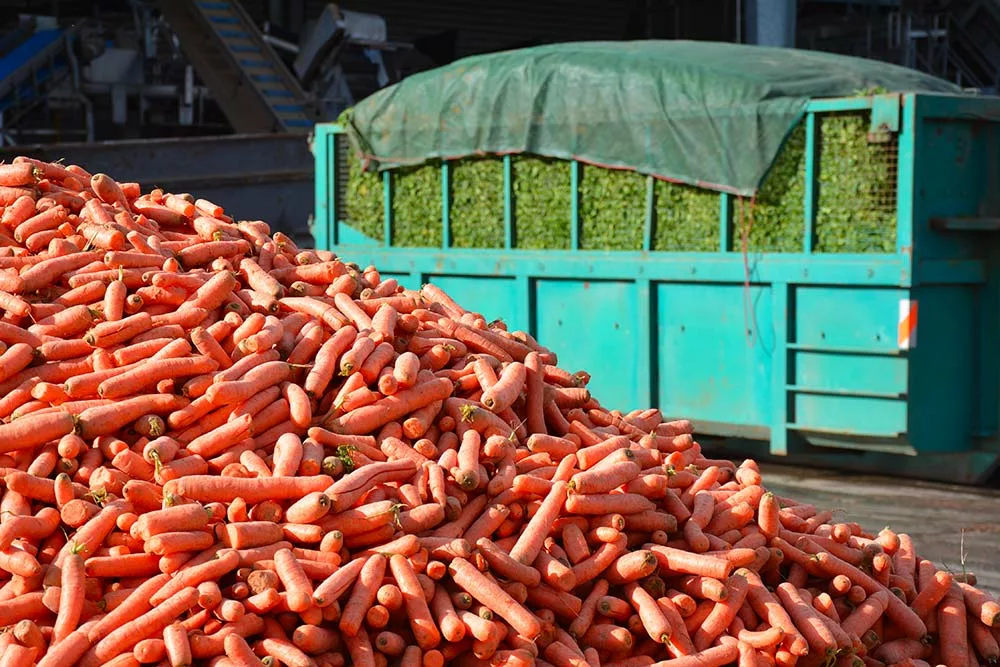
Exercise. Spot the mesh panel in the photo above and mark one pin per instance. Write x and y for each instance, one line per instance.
(416, 206)
(342, 175)
(476, 213)
(362, 199)
(856, 186)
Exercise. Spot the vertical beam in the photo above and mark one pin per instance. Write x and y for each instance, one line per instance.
(908, 210)
(574, 212)
(644, 359)
(523, 315)
(648, 231)
(780, 293)
(324, 150)
(387, 208)
(508, 203)
(445, 205)
(771, 22)
(812, 179)
(332, 222)
(906, 181)
(725, 222)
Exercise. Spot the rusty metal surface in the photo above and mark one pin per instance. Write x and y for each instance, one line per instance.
(935, 515)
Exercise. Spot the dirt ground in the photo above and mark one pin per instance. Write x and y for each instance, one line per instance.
(935, 515)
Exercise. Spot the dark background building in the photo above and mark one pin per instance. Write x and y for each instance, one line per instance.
(115, 69)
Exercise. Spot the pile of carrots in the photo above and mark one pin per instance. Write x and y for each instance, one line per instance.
(219, 449)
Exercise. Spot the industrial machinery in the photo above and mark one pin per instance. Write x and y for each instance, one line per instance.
(185, 67)
(38, 66)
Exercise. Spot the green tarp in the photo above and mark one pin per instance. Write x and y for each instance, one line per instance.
(702, 113)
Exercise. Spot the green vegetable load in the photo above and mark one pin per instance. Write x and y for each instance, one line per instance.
(855, 202)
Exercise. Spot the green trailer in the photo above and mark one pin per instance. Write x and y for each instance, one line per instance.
(823, 287)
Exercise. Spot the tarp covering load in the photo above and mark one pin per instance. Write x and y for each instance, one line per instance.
(701, 113)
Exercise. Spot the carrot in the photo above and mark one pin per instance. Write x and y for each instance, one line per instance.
(604, 478)
(682, 562)
(351, 487)
(225, 562)
(495, 598)
(256, 380)
(424, 629)
(237, 650)
(35, 430)
(631, 567)
(153, 371)
(932, 593)
(178, 648)
(207, 488)
(622, 503)
(506, 565)
(179, 541)
(153, 621)
(901, 615)
(45, 220)
(334, 586)
(70, 599)
(68, 651)
(298, 588)
(507, 388)
(128, 565)
(980, 605)
(33, 528)
(18, 174)
(807, 620)
(367, 419)
(104, 420)
(953, 628)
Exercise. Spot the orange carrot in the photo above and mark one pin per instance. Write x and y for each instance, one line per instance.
(367, 419)
(526, 549)
(493, 597)
(237, 650)
(953, 627)
(298, 589)
(153, 621)
(506, 389)
(334, 586)
(902, 615)
(104, 420)
(34, 430)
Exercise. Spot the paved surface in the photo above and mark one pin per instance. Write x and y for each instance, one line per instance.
(935, 515)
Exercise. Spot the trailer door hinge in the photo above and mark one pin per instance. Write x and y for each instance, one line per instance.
(886, 110)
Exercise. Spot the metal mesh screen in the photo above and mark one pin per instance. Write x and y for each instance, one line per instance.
(855, 186)
(342, 175)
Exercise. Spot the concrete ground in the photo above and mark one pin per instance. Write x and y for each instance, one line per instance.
(935, 515)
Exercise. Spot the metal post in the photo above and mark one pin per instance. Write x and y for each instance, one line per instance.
(650, 220)
(445, 205)
(386, 208)
(508, 203)
(725, 222)
(812, 165)
(574, 214)
(739, 21)
(771, 22)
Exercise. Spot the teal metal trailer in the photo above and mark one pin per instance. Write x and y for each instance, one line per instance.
(881, 361)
